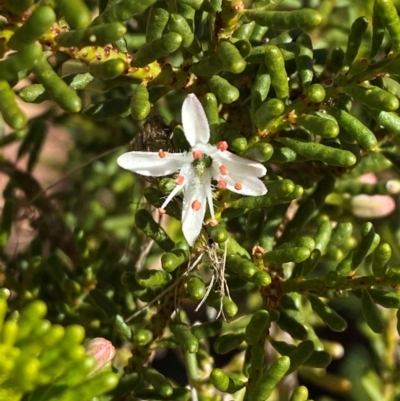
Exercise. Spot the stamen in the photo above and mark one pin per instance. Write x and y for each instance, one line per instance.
(197, 154)
(221, 184)
(161, 153)
(161, 211)
(238, 186)
(223, 170)
(179, 180)
(222, 145)
(196, 205)
(213, 223)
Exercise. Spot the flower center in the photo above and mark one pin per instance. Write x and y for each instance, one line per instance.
(202, 163)
(197, 154)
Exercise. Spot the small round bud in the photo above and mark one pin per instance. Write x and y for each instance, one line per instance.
(101, 350)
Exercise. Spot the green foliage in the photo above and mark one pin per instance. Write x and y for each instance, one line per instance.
(46, 360)
(311, 93)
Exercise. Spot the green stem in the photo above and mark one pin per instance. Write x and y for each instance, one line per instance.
(192, 367)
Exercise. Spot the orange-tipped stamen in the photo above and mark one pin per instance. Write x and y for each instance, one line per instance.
(221, 184)
(238, 186)
(222, 145)
(161, 153)
(179, 180)
(223, 170)
(197, 154)
(196, 205)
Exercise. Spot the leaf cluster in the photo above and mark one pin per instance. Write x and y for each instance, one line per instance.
(308, 93)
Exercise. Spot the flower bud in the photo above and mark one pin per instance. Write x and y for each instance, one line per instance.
(374, 206)
(369, 178)
(101, 350)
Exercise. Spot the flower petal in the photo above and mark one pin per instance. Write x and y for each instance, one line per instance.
(194, 121)
(185, 172)
(240, 165)
(241, 184)
(194, 205)
(151, 164)
(210, 202)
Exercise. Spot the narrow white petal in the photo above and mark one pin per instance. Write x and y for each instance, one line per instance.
(192, 219)
(240, 165)
(241, 184)
(151, 164)
(194, 121)
(209, 194)
(171, 195)
(185, 173)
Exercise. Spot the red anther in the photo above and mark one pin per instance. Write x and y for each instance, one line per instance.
(213, 223)
(221, 184)
(161, 153)
(222, 145)
(179, 180)
(197, 154)
(161, 211)
(223, 170)
(196, 205)
(238, 186)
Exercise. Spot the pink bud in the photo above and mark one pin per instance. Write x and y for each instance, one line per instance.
(101, 350)
(369, 178)
(372, 207)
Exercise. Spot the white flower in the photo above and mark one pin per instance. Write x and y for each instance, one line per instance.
(197, 168)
